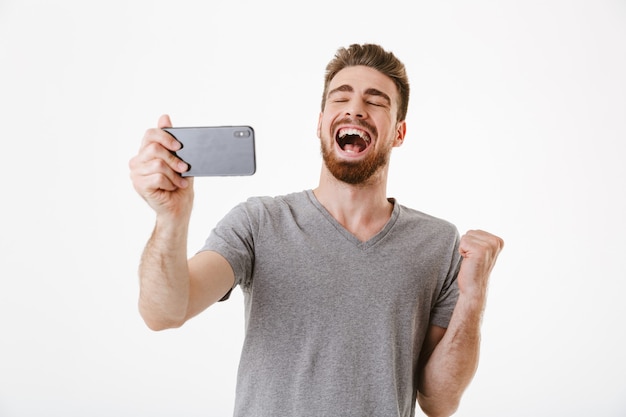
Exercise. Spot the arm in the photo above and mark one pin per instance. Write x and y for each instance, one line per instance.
(449, 357)
(172, 289)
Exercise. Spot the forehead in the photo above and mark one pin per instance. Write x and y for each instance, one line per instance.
(362, 78)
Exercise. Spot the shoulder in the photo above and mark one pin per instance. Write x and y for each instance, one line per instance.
(259, 212)
(273, 205)
(276, 201)
(426, 223)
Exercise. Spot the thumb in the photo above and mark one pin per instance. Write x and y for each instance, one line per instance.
(164, 121)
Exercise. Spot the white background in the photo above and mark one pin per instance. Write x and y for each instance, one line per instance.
(516, 125)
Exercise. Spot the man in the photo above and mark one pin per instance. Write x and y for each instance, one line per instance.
(355, 305)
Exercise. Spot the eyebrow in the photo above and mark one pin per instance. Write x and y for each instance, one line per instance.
(369, 92)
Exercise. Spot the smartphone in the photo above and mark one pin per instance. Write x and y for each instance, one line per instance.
(216, 150)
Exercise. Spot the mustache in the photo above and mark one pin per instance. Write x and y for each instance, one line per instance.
(356, 122)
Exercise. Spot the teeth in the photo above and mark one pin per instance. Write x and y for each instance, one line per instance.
(350, 131)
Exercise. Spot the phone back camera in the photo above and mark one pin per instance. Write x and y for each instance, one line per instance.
(241, 133)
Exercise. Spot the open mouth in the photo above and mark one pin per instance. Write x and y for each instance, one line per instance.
(353, 140)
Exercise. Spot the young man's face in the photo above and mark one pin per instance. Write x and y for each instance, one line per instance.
(358, 126)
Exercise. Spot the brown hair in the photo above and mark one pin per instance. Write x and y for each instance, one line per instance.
(373, 56)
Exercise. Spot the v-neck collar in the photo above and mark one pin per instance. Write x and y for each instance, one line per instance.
(346, 233)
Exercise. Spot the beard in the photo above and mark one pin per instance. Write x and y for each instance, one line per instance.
(354, 172)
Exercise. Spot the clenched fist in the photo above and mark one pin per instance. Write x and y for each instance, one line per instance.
(479, 250)
(155, 173)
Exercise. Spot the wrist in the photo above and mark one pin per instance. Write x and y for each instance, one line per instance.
(173, 228)
(471, 307)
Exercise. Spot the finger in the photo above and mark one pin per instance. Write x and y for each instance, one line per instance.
(158, 182)
(155, 187)
(164, 121)
(155, 168)
(163, 182)
(157, 151)
(486, 237)
(480, 242)
(160, 165)
(160, 136)
(148, 185)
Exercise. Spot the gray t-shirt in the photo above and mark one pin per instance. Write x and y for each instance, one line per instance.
(334, 326)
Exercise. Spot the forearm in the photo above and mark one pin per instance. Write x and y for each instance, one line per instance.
(164, 276)
(447, 371)
(453, 363)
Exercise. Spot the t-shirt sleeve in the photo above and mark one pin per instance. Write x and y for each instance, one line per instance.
(446, 300)
(232, 238)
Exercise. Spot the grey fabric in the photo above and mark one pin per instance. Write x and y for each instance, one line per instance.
(334, 326)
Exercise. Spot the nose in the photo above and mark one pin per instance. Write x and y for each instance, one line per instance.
(356, 109)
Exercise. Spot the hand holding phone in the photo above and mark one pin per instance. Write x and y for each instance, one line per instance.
(216, 150)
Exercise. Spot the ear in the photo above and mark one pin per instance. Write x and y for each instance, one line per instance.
(400, 133)
(319, 125)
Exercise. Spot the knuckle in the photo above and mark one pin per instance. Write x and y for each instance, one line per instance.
(148, 136)
(152, 148)
(157, 181)
(172, 158)
(157, 166)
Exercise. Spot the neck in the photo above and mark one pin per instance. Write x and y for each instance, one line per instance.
(363, 209)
